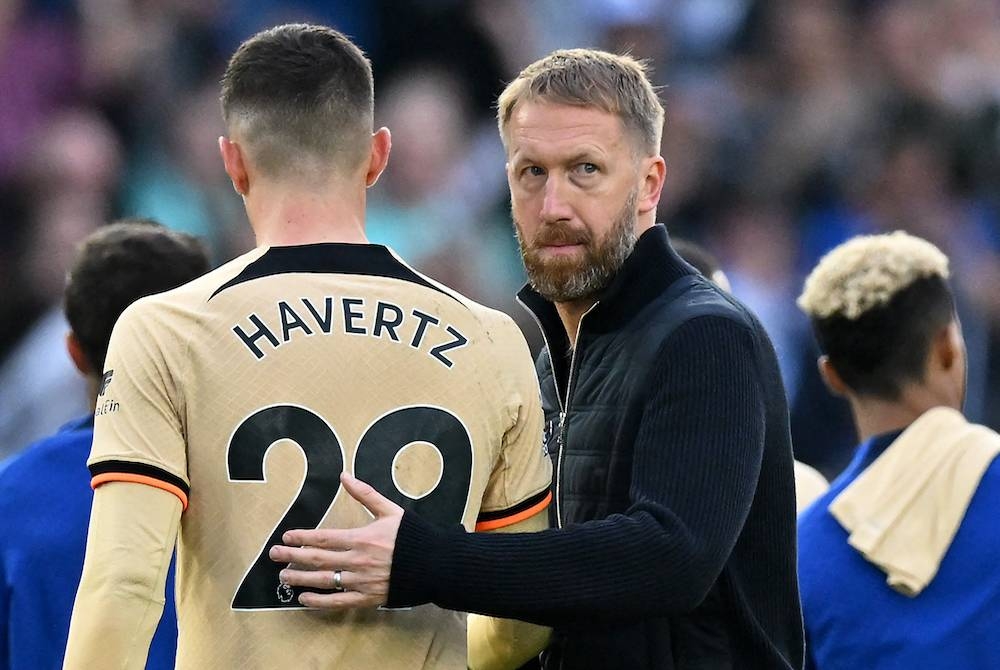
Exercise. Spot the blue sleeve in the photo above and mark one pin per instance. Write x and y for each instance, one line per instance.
(4, 620)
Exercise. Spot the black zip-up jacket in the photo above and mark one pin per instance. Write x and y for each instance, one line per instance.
(673, 489)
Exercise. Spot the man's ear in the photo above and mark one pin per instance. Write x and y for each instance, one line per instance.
(235, 164)
(652, 183)
(946, 348)
(381, 146)
(76, 354)
(831, 378)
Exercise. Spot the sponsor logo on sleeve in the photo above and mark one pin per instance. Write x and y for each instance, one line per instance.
(105, 382)
(108, 405)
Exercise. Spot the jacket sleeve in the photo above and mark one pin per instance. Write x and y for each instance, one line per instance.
(696, 464)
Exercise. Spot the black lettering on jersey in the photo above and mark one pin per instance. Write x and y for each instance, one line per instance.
(325, 323)
(382, 324)
(105, 380)
(375, 456)
(424, 319)
(106, 407)
(382, 442)
(250, 340)
(245, 458)
(459, 341)
(388, 323)
(290, 321)
(350, 316)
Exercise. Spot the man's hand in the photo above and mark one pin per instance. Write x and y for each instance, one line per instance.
(361, 556)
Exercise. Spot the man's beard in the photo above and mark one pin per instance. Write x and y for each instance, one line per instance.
(566, 279)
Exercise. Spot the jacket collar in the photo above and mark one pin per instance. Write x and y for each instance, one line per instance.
(648, 271)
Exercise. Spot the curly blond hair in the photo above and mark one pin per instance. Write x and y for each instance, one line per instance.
(866, 272)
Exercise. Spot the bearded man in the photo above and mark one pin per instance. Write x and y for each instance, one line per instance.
(674, 510)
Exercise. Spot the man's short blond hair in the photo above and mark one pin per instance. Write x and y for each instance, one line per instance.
(867, 272)
(613, 83)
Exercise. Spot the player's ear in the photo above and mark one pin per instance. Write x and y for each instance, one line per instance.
(831, 378)
(379, 158)
(76, 354)
(233, 160)
(946, 347)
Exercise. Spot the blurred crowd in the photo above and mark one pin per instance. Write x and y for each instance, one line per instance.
(791, 125)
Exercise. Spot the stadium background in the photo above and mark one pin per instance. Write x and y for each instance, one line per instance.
(791, 125)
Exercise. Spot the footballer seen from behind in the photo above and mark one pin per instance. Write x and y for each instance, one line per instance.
(241, 397)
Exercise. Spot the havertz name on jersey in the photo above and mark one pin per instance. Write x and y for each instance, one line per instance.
(328, 315)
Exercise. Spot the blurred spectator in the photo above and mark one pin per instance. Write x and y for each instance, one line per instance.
(38, 74)
(819, 103)
(41, 389)
(174, 176)
(138, 56)
(638, 26)
(757, 241)
(71, 177)
(425, 206)
(75, 153)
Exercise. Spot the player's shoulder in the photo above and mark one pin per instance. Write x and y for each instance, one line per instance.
(504, 349)
(497, 327)
(493, 321)
(989, 484)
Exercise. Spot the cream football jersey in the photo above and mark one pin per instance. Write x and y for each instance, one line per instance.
(248, 391)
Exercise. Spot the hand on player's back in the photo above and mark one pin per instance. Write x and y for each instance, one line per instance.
(362, 556)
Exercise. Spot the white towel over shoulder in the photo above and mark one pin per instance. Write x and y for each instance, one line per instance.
(903, 511)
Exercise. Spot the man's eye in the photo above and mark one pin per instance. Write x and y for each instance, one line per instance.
(534, 171)
(586, 168)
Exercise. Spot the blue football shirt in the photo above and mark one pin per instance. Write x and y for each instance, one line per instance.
(854, 620)
(45, 500)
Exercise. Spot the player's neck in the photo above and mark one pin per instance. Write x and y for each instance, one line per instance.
(874, 416)
(283, 215)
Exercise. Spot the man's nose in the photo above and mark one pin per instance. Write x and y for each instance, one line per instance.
(555, 202)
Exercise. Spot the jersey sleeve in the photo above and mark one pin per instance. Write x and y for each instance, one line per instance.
(520, 485)
(121, 595)
(138, 432)
(506, 644)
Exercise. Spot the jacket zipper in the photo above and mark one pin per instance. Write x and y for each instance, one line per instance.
(563, 406)
(564, 413)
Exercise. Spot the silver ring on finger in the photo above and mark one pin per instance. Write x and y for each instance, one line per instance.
(338, 580)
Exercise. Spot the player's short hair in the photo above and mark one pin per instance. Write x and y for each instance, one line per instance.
(613, 83)
(118, 264)
(876, 302)
(300, 98)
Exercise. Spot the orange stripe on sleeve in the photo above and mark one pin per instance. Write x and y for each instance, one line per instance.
(493, 524)
(106, 477)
